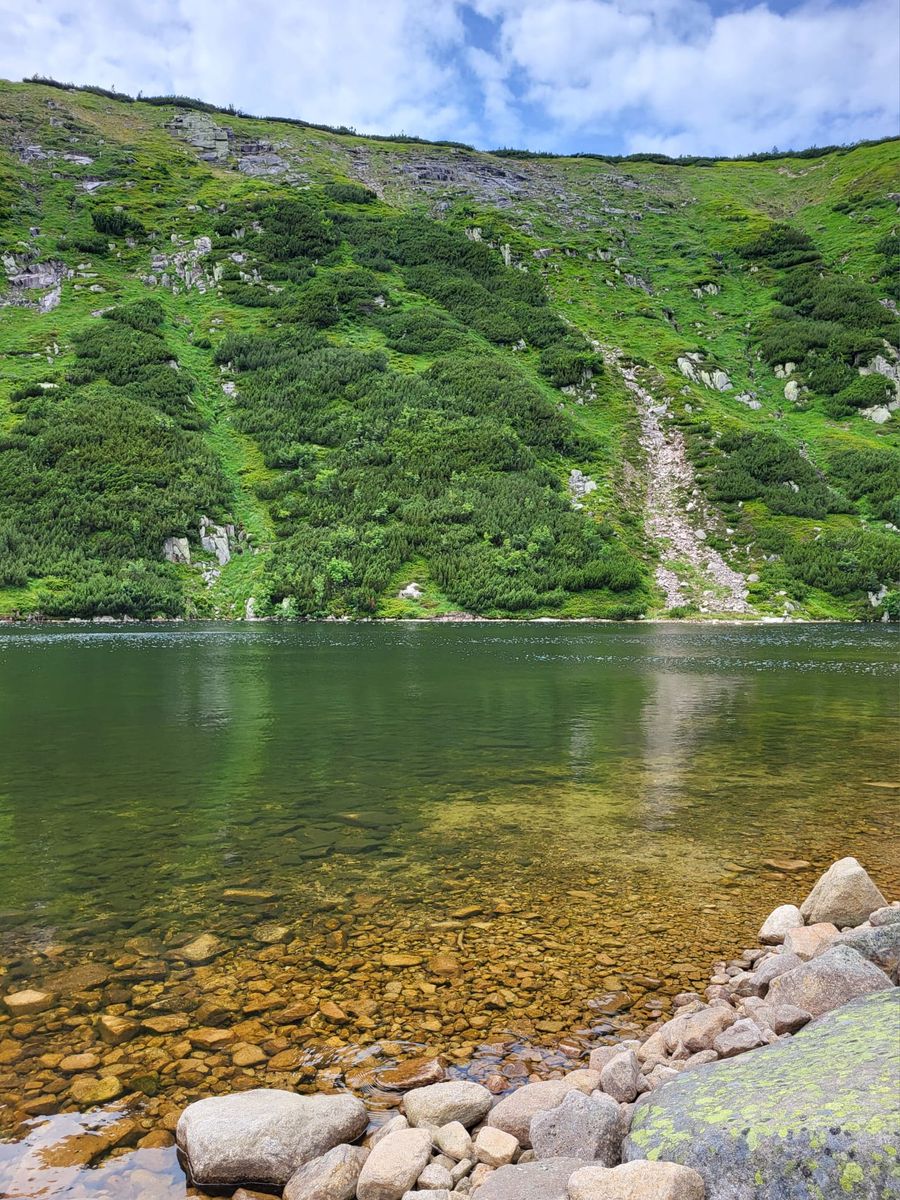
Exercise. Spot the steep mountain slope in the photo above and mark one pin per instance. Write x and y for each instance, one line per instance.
(253, 367)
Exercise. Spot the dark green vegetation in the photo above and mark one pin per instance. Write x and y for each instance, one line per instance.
(407, 334)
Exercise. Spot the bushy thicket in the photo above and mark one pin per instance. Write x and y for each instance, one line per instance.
(382, 467)
(871, 476)
(761, 466)
(116, 223)
(98, 471)
(459, 464)
(826, 323)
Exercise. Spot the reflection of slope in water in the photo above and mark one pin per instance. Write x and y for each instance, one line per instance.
(680, 714)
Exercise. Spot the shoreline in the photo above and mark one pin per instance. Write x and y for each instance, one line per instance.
(452, 619)
(832, 962)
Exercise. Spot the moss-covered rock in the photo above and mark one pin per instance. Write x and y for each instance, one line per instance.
(814, 1117)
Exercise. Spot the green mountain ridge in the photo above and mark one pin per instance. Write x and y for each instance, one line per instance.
(330, 375)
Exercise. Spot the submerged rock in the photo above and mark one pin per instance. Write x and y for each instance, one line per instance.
(818, 1109)
(264, 1135)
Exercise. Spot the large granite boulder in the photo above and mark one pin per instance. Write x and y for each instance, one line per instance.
(836, 976)
(588, 1127)
(264, 1135)
(813, 1117)
(880, 944)
(845, 895)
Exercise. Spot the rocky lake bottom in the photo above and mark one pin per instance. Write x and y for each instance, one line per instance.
(315, 859)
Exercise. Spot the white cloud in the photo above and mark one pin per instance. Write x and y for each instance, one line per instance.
(672, 75)
(378, 66)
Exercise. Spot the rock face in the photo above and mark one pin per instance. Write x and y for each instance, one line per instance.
(637, 1181)
(547, 1180)
(836, 976)
(264, 1135)
(394, 1165)
(442, 1103)
(845, 895)
(818, 1109)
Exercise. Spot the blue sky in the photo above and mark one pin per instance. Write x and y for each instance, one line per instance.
(615, 76)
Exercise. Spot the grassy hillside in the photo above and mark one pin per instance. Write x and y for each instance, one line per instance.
(528, 386)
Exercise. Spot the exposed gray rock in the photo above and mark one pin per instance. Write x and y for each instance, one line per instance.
(546, 1180)
(889, 915)
(514, 1112)
(264, 1135)
(845, 895)
(394, 1165)
(838, 974)
(177, 550)
(441, 1103)
(818, 1110)
(743, 1035)
(334, 1176)
(586, 1127)
(880, 945)
(621, 1077)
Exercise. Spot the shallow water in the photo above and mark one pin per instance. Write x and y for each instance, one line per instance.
(619, 806)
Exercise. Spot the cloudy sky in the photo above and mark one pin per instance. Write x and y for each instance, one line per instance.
(678, 76)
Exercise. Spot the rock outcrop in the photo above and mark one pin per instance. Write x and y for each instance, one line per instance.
(819, 1110)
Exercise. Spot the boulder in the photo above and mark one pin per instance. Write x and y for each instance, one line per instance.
(495, 1147)
(334, 1176)
(743, 1035)
(441, 1103)
(838, 974)
(453, 1140)
(514, 1113)
(699, 1030)
(587, 1127)
(756, 983)
(881, 945)
(818, 1109)
(808, 940)
(621, 1077)
(889, 915)
(637, 1181)
(394, 1165)
(546, 1180)
(845, 895)
(263, 1136)
(779, 923)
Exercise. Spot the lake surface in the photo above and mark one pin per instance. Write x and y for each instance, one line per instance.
(556, 829)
